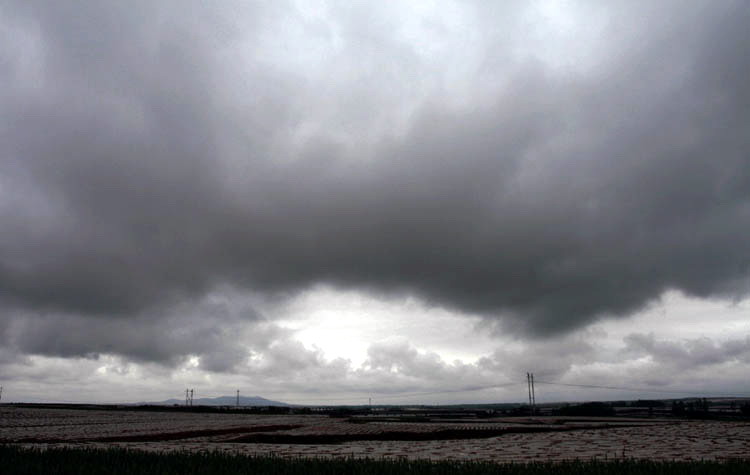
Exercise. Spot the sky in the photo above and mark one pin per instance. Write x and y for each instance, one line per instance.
(322, 202)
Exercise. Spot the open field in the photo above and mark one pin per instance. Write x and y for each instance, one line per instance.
(495, 439)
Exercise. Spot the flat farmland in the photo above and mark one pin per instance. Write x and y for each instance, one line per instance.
(495, 439)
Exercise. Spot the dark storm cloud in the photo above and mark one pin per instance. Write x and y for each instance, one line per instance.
(220, 334)
(151, 154)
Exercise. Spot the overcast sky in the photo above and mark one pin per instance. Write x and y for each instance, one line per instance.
(325, 201)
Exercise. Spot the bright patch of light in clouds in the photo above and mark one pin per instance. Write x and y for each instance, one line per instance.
(343, 324)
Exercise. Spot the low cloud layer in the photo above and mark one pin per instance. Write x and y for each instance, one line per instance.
(687, 354)
(396, 371)
(150, 155)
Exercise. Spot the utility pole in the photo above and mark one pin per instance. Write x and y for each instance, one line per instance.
(187, 397)
(191, 398)
(238, 398)
(528, 384)
(1, 393)
(532, 393)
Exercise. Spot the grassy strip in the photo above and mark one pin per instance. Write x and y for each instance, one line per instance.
(59, 461)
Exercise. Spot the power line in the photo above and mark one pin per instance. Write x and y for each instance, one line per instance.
(620, 388)
(532, 393)
(448, 391)
(423, 393)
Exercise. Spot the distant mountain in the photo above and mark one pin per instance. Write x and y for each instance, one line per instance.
(222, 401)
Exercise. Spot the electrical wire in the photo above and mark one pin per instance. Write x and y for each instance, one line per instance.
(424, 393)
(622, 388)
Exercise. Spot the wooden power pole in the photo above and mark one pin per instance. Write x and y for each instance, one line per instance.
(528, 385)
(532, 393)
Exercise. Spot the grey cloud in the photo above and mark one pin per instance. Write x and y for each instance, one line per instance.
(548, 359)
(647, 366)
(154, 153)
(288, 357)
(687, 354)
(403, 358)
(220, 333)
(285, 367)
(397, 366)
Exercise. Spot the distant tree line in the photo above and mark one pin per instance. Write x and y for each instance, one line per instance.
(690, 408)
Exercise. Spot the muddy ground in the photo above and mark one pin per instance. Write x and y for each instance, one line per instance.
(500, 439)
